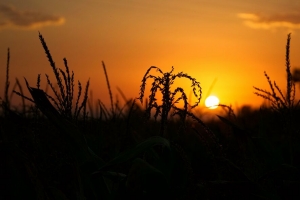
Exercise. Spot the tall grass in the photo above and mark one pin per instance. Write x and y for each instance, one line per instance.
(108, 86)
(5, 103)
(285, 104)
(280, 101)
(163, 84)
(64, 98)
(54, 158)
(7, 83)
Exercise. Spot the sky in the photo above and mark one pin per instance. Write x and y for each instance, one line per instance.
(225, 45)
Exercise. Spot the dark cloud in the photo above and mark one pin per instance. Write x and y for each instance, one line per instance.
(259, 21)
(12, 17)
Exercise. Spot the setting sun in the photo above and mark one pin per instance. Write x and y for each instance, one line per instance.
(212, 102)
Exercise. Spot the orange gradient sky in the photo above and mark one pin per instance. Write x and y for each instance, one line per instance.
(232, 42)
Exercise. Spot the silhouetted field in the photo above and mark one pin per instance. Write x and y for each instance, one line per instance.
(60, 148)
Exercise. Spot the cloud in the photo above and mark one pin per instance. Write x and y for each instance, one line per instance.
(12, 17)
(271, 22)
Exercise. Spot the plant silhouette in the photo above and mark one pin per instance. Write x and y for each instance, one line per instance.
(163, 84)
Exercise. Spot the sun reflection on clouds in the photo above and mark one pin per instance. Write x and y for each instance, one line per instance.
(11, 17)
(271, 22)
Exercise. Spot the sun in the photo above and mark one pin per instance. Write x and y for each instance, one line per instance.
(212, 102)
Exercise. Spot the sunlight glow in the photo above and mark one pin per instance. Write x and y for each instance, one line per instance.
(212, 102)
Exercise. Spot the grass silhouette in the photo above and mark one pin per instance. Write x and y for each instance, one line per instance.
(169, 101)
(59, 152)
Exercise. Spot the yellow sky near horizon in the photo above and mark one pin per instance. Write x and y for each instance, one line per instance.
(232, 42)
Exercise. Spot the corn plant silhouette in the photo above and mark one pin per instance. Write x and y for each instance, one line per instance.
(281, 102)
(163, 84)
(65, 95)
(285, 105)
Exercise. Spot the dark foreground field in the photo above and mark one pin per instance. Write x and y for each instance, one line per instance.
(233, 160)
(60, 148)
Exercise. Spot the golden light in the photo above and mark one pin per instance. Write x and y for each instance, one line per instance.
(212, 102)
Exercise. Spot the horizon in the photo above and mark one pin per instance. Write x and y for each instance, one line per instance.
(226, 47)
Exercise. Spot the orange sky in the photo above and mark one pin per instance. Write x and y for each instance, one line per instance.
(233, 42)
